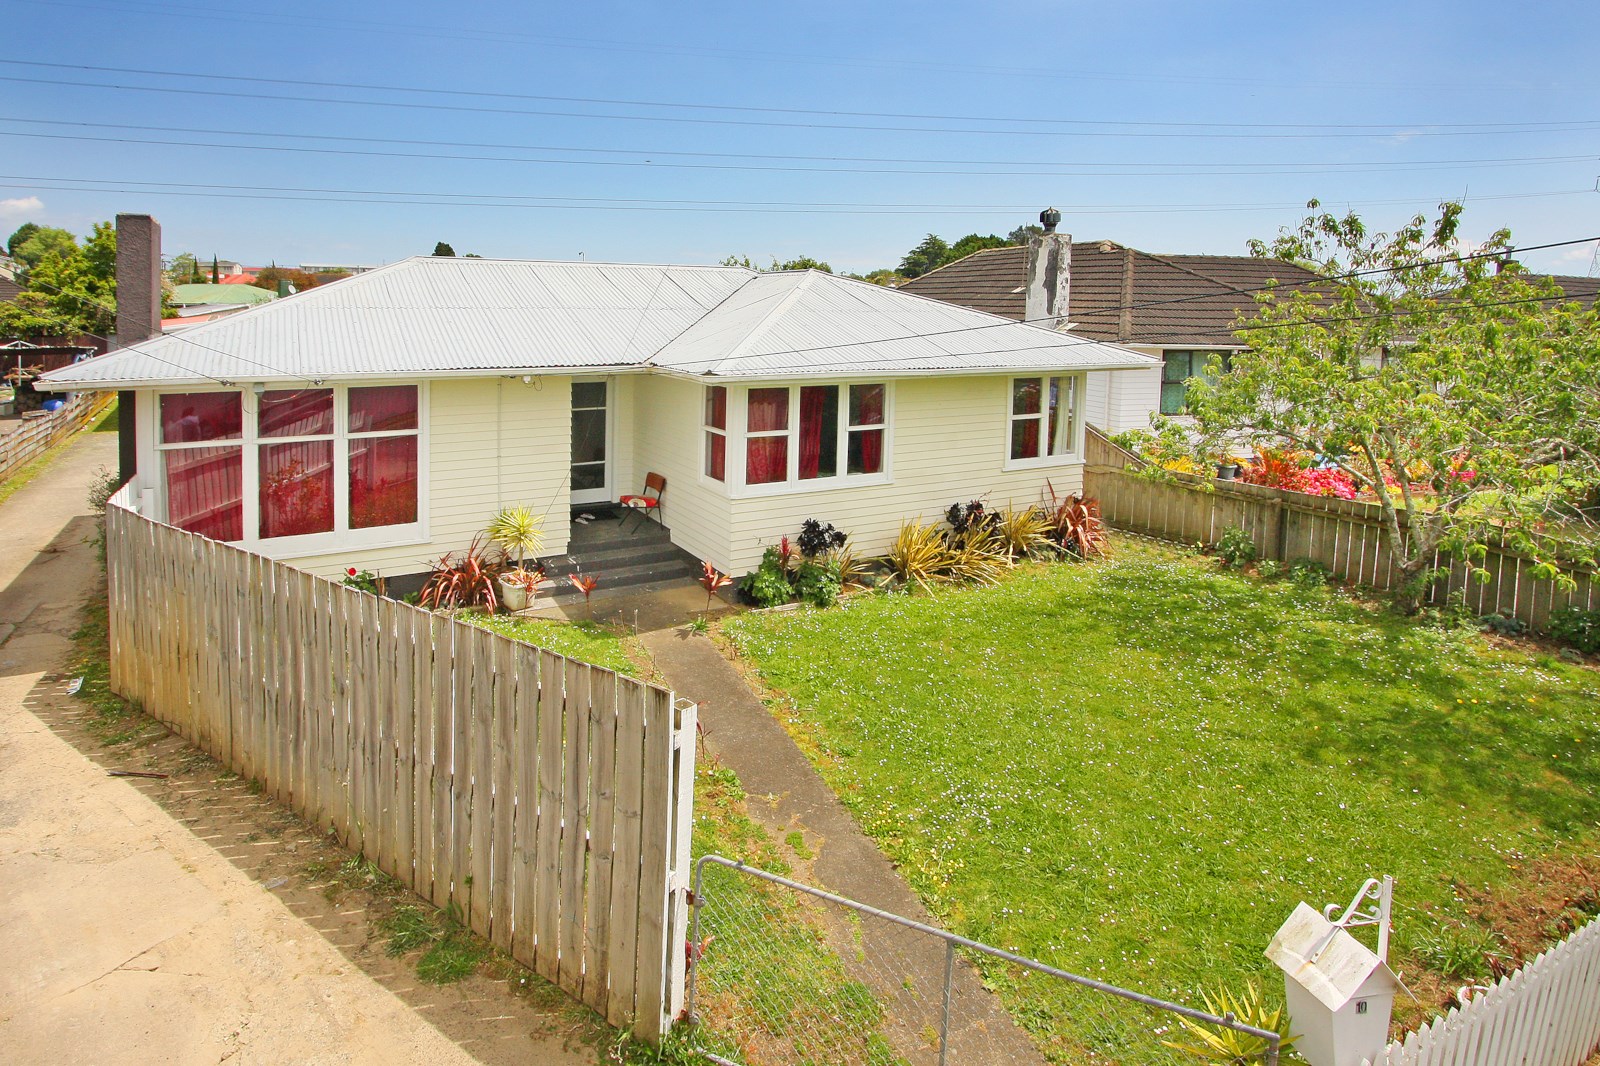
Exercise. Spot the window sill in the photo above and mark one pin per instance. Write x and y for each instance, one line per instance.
(802, 488)
(1043, 463)
(358, 540)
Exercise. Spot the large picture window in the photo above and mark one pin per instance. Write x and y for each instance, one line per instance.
(796, 435)
(293, 468)
(1045, 418)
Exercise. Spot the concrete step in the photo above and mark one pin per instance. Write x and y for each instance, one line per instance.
(620, 555)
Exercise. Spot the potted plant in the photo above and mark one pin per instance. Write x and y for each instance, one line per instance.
(518, 531)
(518, 586)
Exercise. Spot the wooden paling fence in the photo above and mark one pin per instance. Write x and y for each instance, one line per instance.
(1545, 1014)
(545, 800)
(37, 435)
(1346, 536)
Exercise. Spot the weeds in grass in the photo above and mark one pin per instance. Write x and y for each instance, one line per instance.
(450, 952)
(1458, 951)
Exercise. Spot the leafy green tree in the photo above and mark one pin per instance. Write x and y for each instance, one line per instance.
(804, 262)
(1463, 394)
(973, 242)
(443, 249)
(929, 255)
(40, 242)
(1024, 234)
(23, 232)
(184, 269)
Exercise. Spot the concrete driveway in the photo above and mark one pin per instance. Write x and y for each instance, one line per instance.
(127, 939)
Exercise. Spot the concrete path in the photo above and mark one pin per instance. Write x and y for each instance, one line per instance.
(786, 794)
(128, 940)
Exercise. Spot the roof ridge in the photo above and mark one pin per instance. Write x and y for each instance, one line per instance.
(970, 255)
(705, 313)
(756, 331)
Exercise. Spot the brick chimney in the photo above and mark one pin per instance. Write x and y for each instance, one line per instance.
(138, 279)
(138, 317)
(1049, 273)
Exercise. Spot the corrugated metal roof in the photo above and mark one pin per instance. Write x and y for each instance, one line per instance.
(803, 323)
(434, 315)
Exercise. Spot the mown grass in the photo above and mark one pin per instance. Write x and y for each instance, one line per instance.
(1135, 769)
(588, 641)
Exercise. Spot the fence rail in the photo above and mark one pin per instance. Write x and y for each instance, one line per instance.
(1345, 536)
(545, 799)
(37, 435)
(1545, 1014)
(906, 991)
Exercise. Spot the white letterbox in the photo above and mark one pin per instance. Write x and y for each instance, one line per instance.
(1338, 992)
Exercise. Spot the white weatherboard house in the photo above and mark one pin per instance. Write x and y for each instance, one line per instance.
(382, 420)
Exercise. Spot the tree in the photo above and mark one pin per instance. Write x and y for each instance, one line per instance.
(184, 269)
(40, 242)
(804, 262)
(1462, 394)
(443, 249)
(972, 242)
(1024, 234)
(929, 255)
(23, 232)
(268, 279)
(66, 289)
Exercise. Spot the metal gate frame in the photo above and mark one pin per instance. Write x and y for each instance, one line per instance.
(952, 941)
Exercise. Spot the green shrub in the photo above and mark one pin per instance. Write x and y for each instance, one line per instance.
(1505, 626)
(1457, 952)
(1269, 568)
(1236, 548)
(818, 583)
(1577, 627)
(1308, 574)
(768, 584)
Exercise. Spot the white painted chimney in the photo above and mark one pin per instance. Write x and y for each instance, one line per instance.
(1049, 273)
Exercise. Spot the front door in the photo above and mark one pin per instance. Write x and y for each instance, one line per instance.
(591, 442)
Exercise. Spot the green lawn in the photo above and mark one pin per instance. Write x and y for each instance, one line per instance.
(588, 641)
(1135, 769)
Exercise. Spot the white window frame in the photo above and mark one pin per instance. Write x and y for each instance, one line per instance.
(341, 537)
(737, 435)
(1072, 441)
(707, 431)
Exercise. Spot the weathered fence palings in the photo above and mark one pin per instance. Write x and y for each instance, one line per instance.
(39, 435)
(1545, 1014)
(1346, 536)
(548, 800)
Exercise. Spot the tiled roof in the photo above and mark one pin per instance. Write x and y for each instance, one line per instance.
(1582, 289)
(1121, 294)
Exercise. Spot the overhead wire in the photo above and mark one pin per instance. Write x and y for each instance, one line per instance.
(593, 203)
(648, 161)
(1387, 128)
(1578, 126)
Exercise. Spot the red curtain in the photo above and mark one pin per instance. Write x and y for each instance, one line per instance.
(866, 451)
(766, 460)
(812, 401)
(383, 482)
(296, 490)
(383, 407)
(205, 491)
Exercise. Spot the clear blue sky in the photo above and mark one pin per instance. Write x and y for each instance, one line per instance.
(1146, 123)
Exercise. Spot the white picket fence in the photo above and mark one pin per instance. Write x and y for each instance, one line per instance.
(1545, 1014)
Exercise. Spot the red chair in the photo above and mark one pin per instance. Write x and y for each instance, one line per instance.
(646, 503)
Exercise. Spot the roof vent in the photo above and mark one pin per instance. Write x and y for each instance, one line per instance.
(1051, 219)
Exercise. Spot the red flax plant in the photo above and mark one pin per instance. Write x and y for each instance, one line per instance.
(1076, 525)
(711, 580)
(462, 579)
(585, 583)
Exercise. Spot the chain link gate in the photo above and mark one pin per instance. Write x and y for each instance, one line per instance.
(784, 972)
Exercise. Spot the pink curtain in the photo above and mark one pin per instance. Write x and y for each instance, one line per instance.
(383, 482)
(197, 416)
(768, 410)
(296, 490)
(205, 491)
(383, 407)
(296, 413)
(866, 451)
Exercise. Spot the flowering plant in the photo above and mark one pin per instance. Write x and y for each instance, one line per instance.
(364, 580)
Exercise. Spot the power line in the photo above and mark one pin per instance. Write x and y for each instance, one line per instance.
(1385, 128)
(503, 34)
(580, 203)
(1092, 169)
(1581, 126)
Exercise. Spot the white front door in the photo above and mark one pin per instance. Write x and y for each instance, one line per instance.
(591, 442)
